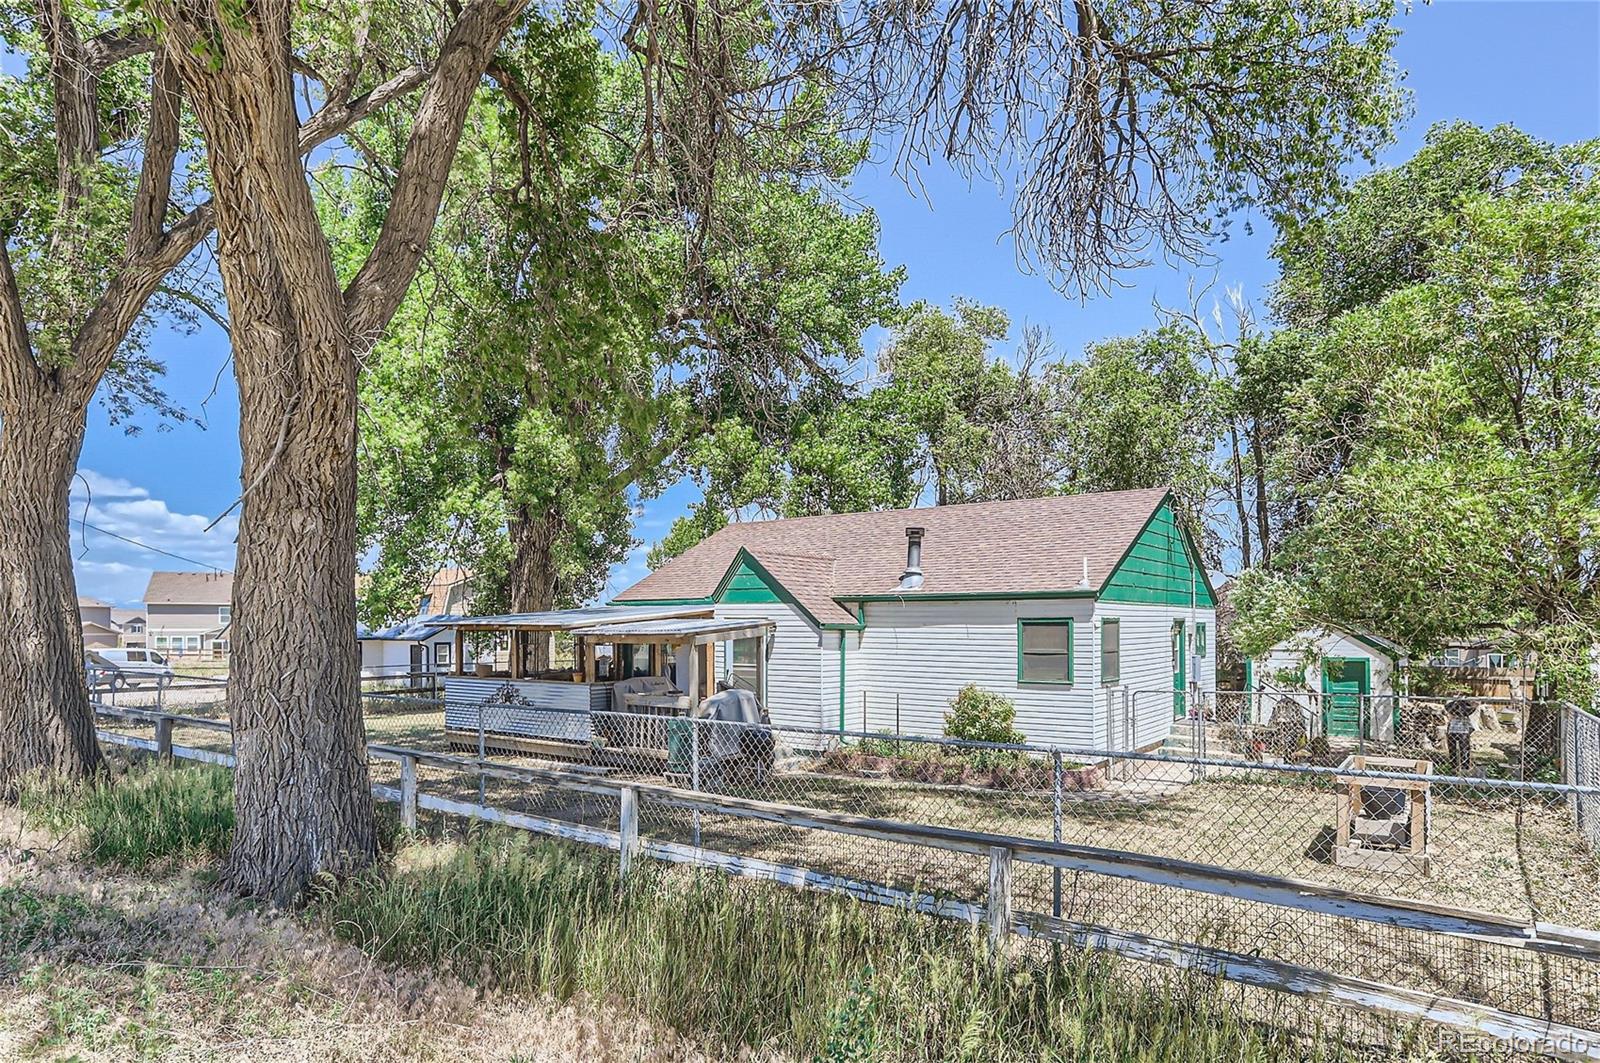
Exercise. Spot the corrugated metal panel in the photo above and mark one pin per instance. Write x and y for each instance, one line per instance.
(465, 698)
(587, 617)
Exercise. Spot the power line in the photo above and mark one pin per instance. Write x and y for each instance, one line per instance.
(147, 546)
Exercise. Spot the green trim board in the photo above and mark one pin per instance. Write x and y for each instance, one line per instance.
(970, 596)
(1180, 669)
(1160, 566)
(1372, 644)
(1072, 646)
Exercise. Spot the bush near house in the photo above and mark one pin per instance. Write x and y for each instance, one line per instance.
(979, 715)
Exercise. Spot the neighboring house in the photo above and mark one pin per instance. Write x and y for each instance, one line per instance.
(1339, 676)
(1091, 612)
(99, 629)
(421, 644)
(189, 613)
(130, 625)
(450, 591)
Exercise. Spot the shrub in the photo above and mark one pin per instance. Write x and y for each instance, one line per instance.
(979, 715)
(155, 815)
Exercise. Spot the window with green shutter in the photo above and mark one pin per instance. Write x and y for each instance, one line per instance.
(1199, 640)
(1044, 651)
(1110, 650)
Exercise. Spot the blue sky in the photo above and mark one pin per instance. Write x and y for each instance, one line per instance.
(1531, 62)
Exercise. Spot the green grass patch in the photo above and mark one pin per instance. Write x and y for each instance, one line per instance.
(154, 815)
(773, 968)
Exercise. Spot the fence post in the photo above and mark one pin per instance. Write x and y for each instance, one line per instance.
(483, 747)
(628, 824)
(164, 738)
(694, 770)
(1055, 832)
(999, 912)
(408, 793)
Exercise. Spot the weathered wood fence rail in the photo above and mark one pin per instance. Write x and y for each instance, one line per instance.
(997, 914)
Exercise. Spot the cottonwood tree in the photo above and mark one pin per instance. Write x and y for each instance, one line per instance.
(1131, 123)
(1442, 435)
(102, 197)
(565, 340)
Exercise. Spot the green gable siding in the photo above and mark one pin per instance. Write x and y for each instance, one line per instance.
(1159, 568)
(748, 585)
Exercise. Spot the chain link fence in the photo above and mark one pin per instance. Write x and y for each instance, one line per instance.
(1510, 832)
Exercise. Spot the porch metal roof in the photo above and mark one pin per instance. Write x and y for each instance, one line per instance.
(580, 619)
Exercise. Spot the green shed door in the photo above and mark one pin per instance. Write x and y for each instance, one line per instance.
(1345, 681)
(1180, 669)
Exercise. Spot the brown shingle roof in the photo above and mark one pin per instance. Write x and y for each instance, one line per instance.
(189, 588)
(1016, 547)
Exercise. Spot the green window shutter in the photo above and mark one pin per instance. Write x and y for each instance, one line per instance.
(1200, 640)
(1110, 650)
(1044, 650)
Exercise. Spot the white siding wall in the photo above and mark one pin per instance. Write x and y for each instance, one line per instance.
(1147, 669)
(795, 688)
(1308, 648)
(927, 651)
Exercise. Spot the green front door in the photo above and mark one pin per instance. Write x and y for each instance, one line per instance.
(1180, 669)
(1345, 682)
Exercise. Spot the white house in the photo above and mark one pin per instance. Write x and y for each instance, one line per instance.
(421, 644)
(1340, 676)
(1091, 612)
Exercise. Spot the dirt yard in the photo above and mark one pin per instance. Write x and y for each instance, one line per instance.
(97, 966)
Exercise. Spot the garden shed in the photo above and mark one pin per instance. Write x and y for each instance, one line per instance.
(1345, 680)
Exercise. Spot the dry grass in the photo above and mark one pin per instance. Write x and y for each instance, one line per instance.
(102, 965)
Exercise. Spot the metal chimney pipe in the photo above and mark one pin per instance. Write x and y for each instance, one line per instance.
(911, 578)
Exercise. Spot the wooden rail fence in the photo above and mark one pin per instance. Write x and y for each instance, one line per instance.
(997, 914)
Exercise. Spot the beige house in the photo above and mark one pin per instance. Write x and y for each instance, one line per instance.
(99, 629)
(130, 626)
(189, 614)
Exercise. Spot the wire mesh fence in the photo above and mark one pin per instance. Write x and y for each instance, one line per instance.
(1403, 817)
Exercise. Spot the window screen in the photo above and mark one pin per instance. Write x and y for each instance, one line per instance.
(1044, 651)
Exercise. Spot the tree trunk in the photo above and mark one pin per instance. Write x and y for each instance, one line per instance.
(1258, 469)
(302, 797)
(303, 803)
(1238, 497)
(46, 723)
(531, 582)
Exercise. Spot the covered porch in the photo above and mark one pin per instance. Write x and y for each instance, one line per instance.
(630, 669)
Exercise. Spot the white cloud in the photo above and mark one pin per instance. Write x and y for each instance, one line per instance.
(116, 570)
(89, 484)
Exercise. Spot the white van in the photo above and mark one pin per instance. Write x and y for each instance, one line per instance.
(119, 668)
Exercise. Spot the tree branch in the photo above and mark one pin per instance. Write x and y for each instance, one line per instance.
(160, 153)
(335, 118)
(16, 352)
(77, 119)
(147, 265)
(375, 293)
(113, 46)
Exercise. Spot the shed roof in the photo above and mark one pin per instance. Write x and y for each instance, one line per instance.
(1024, 546)
(189, 588)
(678, 628)
(416, 629)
